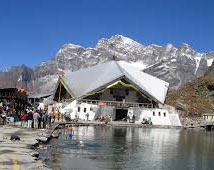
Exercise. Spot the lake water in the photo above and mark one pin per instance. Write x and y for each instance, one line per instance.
(126, 148)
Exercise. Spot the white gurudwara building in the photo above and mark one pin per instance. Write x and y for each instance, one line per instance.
(115, 89)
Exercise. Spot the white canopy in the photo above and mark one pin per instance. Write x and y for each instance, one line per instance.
(90, 79)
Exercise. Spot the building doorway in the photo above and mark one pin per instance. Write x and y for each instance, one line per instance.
(121, 114)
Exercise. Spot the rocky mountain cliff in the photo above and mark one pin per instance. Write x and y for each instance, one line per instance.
(175, 65)
(17, 76)
(195, 97)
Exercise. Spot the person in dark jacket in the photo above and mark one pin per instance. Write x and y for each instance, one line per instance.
(29, 119)
(40, 119)
(45, 119)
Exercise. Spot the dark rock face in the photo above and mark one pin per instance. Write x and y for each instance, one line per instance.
(16, 76)
(174, 65)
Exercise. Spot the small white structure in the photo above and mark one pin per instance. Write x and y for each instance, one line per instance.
(116, 90)
(160, 117)
(82, 111)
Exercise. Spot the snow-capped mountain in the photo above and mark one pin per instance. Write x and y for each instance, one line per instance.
(175, 65)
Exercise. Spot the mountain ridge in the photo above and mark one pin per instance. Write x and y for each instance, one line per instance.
(174, 65)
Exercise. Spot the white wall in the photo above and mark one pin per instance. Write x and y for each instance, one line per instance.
(160, 117)
(164, 118)
(84, 109)
(72, 108)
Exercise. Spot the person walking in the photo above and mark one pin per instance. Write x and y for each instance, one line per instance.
(36, 117)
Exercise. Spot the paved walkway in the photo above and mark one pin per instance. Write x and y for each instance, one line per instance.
(17, 155)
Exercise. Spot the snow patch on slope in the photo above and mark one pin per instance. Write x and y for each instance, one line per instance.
(197, 61)
(139, 65)
(209, 62)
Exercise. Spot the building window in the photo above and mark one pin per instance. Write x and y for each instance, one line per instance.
(153, 113)
(159, 113)
(84, 109)
(111, 91)
(78, 109)
(164, 114)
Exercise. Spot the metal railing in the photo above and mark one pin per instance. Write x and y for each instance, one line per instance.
(116, 103)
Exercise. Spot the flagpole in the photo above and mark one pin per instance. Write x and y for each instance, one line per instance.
(60, 88)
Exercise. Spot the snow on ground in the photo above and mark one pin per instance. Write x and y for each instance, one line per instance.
(139, 65)
(173, 60)
(197, 60)
(187, 55)
(209, 62)
(73, 46)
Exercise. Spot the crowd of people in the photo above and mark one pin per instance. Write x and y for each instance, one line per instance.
(32, 117)
(147, 121)
(39, 118)
(35, 118)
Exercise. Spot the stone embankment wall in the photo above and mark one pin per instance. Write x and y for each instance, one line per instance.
(195, 122)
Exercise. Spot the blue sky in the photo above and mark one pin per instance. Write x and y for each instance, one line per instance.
(32, 31)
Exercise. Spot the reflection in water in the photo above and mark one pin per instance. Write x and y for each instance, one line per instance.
(126, 148)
